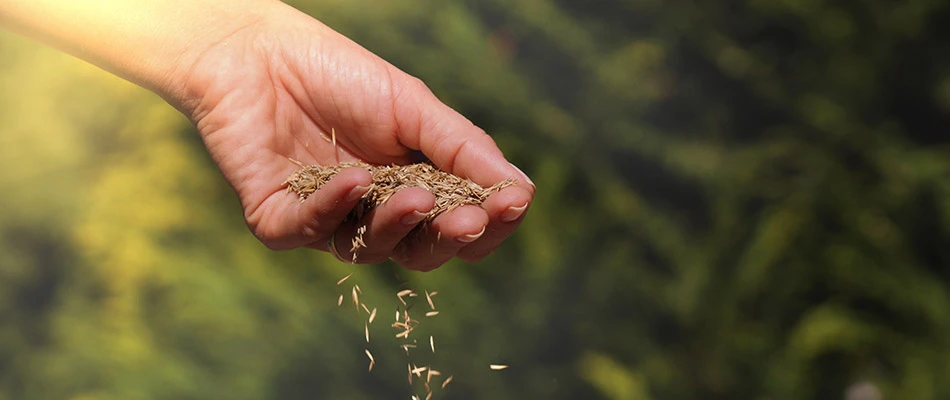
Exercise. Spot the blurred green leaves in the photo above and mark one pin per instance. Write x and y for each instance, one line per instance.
(735, 200)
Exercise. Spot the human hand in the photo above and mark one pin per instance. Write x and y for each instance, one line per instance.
(286, 86)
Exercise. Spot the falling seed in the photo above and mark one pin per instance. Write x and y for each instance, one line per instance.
(409, 368)
(403, 293)
(372, 315)
(366, 327)
(357, 287)
(432, 343)
(365, 308)
(397, 314)
(340, 282)
(497, 367)
(372, 361)
(429, 299)
(447, 380)
(333, 136)
(339, 301)
(432, 313)
(356, 299)
(434, 293)
(429, 396)
(419, 370)
(403, 334)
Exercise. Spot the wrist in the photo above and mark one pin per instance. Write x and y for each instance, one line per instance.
(192, 48)
(153, 43)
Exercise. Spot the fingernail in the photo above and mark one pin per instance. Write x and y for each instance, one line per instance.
(524, 175)
(513, 213)
(356, 193)
(413, 218)
(471, 238)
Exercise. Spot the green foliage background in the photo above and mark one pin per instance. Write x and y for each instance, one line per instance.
(736, 200)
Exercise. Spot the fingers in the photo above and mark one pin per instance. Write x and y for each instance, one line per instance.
(456, 145)
(386, 226)
(437, 243)
(505, 209)
(315, 219)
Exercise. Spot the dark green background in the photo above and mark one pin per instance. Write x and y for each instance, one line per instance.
(736, 200)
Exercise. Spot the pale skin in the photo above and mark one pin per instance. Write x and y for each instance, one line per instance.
(263, 82)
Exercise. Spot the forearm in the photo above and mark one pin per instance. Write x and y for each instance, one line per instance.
(152, 43)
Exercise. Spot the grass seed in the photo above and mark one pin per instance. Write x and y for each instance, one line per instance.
(372, 361)
(340, 282)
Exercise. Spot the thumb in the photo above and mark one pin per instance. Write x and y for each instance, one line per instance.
(447, 138)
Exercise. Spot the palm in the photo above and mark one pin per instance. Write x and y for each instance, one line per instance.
(316, 97)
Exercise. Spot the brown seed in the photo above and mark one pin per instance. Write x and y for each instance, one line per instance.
(340, 282)
(447, 380)
(429, 300)
(451, 191)
(402, 294)
(358, 290)
(432, 313)
(432, 343)
(372, 361)
(372, 315)
(365, 308)
(429, 396)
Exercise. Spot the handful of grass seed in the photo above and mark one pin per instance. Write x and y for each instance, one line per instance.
(450, 191)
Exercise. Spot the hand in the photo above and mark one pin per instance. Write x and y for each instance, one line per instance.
(283, 86)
